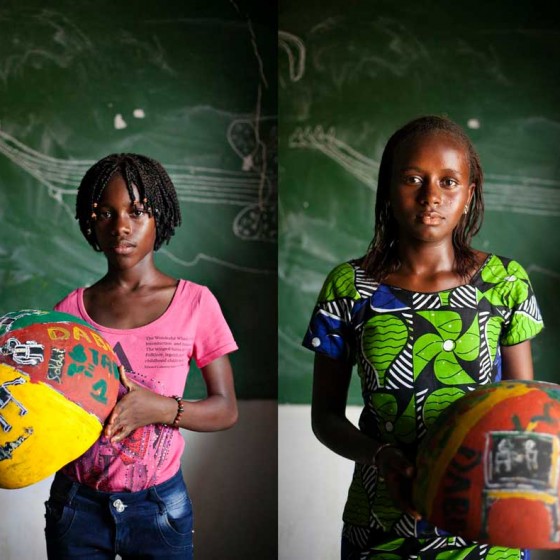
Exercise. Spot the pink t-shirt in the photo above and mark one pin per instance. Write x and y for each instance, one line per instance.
(156, 356)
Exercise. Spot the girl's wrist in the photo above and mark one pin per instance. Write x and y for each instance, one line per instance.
(377, 455)
(178, 412)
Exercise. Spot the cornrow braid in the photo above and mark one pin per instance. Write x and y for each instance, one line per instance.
(382, 257)
(156, 190)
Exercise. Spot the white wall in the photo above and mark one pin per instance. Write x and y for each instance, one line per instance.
(232, 480)
(312, 487)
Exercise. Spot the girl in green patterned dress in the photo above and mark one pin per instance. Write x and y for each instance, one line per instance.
(426, 318)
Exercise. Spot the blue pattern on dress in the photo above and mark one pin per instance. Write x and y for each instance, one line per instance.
(385, 299)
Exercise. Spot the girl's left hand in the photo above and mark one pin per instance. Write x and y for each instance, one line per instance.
(139, 407)
(399, 474)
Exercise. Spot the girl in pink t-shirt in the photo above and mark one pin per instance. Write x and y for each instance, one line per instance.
(126, 494)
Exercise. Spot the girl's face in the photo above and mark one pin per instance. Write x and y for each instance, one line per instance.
(125, 232)
(430, 186)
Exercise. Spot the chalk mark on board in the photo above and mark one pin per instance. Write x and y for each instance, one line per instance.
(208, 258)
(294, 47)
(67, 42)
(253, 42)
(151, 51)
(502, 193)
(258, 221)
(362, 167)
(537, 269)
(522, 195)
(202, 185)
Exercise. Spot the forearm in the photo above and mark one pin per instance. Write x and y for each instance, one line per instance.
(331, 379)
(211, 414)
(218, 411)
(342, 437)
(140, 407)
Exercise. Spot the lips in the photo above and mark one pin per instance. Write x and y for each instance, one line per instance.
(122, 248)
(430, 218)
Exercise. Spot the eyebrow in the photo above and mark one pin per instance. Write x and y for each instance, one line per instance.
(420, 170)
(133, 204)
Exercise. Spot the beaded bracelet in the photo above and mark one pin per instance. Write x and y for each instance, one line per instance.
(180, 409)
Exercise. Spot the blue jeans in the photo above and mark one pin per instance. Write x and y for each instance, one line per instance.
(155, 523)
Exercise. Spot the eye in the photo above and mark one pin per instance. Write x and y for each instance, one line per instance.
(413, 180)
(449, 183)
(104, 214)
(138, 212)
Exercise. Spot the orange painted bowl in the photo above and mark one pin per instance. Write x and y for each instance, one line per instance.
(58, 383)
(488, 469)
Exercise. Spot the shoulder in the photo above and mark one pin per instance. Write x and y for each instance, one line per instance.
(347, 280)
(71, 302)
(505, 283)
(497, 269)
(188, 289)
(192, 293)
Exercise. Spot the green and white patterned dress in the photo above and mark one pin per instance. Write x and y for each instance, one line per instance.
(417, 353)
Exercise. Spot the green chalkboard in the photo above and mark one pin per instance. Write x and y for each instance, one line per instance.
(192, 84)
(350, 74)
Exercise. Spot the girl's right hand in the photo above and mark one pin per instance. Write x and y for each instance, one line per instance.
(398, 473)
(138, 407)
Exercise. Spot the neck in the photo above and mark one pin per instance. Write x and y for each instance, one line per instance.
(142, 274)
(426, 259)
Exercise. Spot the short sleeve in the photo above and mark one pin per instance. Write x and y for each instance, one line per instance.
(511, 291)
(330, 329)
(213, 337)
(525, 321)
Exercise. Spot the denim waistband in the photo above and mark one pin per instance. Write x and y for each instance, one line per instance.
(65, 489)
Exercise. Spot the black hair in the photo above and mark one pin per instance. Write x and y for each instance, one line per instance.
(382, 257)
(156, 190)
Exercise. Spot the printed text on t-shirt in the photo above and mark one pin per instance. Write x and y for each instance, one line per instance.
(167, 351)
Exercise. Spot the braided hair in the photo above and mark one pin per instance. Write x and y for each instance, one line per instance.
(154, 186)
(382, 257)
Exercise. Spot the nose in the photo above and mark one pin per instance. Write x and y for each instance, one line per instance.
(430, 193)
(121, 224)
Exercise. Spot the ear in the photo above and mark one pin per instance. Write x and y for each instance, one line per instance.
(472, 187)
